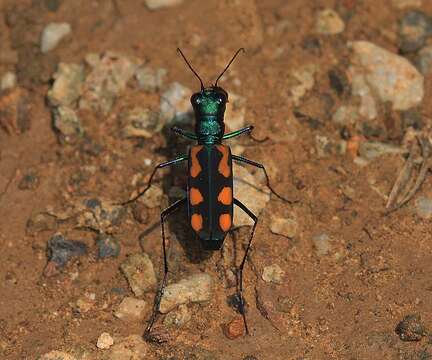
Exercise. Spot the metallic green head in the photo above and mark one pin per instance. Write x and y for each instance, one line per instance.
(209, 107)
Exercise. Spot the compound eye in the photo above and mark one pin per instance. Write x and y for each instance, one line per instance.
(195, 99)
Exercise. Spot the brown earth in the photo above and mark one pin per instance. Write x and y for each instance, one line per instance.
(344, 305)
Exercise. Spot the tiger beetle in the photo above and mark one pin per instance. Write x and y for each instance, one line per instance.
(209, 197)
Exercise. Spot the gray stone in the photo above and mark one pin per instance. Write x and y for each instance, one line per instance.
(423, 207)
(159, 4)
(107, 245)
(304, 78)
(52, 35)
(40, 222)
(60, 250)
(393, 78)
(139, 272)
(321, 244)
(273, 274)
(67, 86)
(373, 149)
(414, 28)
(283, 226)
(150, 80)
(131, 309)
(68, 125)
(329, 22)
(195, 288)
(411, 328)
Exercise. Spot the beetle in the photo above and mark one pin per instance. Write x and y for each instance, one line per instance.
(210, 201)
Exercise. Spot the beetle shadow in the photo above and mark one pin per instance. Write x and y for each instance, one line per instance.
(177, 224)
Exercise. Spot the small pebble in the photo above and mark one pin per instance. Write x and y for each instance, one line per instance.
(139, 272)
(234, 329)
(8, 81)
(304, 79)
(193, 289)
(61, 250)
(108, 77)
(29, 181)
(52, 35)
(150, 80)
(132, 347)
(131, 309)
(321, 244)
(250, 357)
(414, 28)
(329, 22)
(175, 106)
(159, 4)
(107, 245)
(373, 149)
(273, 274)
(67, 86)
(105, 341)
(345, 115)
(285, 227)
(411, 328)
(67, 124)
(53, 5)
(423, 207)
(393, 78)
(178, 317)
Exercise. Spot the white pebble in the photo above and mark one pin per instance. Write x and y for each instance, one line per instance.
(105, 341)
(8, 81)
(52, 35)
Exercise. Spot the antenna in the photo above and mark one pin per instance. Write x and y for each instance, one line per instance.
(226, 68)
(190, 67)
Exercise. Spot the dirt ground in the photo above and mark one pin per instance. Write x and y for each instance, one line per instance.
(344, 304)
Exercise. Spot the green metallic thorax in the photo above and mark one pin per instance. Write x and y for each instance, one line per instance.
(209, 108)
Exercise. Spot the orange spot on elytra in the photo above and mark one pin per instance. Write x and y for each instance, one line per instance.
(195, 196)
(224, 167)
(197, 222)
(225, 222)
(195, 165)
(225, 196)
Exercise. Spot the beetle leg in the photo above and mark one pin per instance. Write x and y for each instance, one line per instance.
(261, 166)
(240, 270)
(164, 214)
(160, 166)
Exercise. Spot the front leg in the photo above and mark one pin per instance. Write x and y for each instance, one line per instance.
(184, 133)
(160, 166)
(261, 166)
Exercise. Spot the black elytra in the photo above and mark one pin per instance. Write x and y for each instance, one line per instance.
(210, 200)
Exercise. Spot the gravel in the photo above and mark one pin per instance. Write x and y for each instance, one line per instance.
(423, 207)
(67, 124)
(105, 341)
(414, 29)
(196, 288)
(131, 309)
(411, 328)
(52, 34)
(67, 85)
(273, 274)
(8, 81)
(159, 4)
(107, 245)
(391, 77)
(60, 250)
(321, 244)
(284, 226)
(329, 22)
(139, 272)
